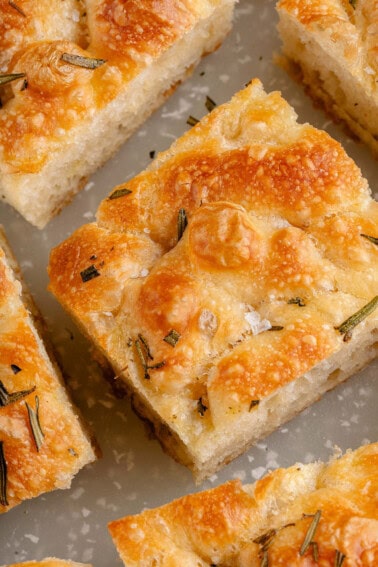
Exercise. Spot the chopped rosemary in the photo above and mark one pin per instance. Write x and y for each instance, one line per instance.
(192, 121)
(310, 532)
(346, 327)
(253, 404)
(265, 559)
(144, 353)
(172, 338)
(16, 369)
(265, 539)
(210, 104)
(372, 239)
(35, 425)
(119, 193)
(6, 398)
(8, 78)
(17, 8)
(315, 550)
(276, 328)
(3, 477)
(89, 273)
(297, 301)
(182, 222)
(339, 558)
(80, 61)
(201, 407)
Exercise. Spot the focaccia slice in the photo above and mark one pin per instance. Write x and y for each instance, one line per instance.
(334, 46)
(227, 328)
(43, 443)
(313, 514)
(80, 91)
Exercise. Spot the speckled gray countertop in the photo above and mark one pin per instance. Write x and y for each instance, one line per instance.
(134, 473)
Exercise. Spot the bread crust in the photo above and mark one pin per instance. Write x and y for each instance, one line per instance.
(26, 367)
(334, 44)
(49, 562)
(240, 525)
(66, 120)
(275, 214)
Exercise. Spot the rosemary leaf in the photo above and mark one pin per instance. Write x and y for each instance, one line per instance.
(276, 328)
(315, 551)
(264, 560)
(372, 239)
(192, 121)
(119, 193)
(346, 327)
(3, 477)
(172, 338)
(143, 352)
(210, 104)
(15, 369)
(8, 78)
(145, 344)
(253, 404)
(17, 8)
(201, 407)
(339, 558)
(353, 3)
(35, 423)
(80, 61)
(310, 533)
(297, 301)
(182, 222)
(89, 273)
(6, 398)
(265, 539)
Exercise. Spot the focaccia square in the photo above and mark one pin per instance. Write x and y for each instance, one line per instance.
(43, 443)
(226, 328)
(334, 46)
(314, 514)
(78, 77)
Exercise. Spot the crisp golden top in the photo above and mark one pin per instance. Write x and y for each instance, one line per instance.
(42, 111)
(271, 263)
(239, 526)
(49, 563)
(25, 366)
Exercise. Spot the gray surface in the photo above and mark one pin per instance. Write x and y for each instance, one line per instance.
(134, 472)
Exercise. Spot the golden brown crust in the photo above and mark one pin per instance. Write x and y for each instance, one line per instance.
(54, 106)
(25, 366)
(50, 562)
(334, 44)
(237, 525)
(268, 204)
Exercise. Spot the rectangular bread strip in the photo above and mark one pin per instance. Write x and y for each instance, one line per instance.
(313, 514)
(42, 439)
(225, 329)
(333, 45)
(74, 104)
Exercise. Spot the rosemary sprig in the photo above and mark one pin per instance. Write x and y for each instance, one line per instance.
(3, 476)
(182, 222)
(119, 193)
(192, 121)
(348, 325)
(172, 338)
(89, 273)
(80, 61)
(310, 532)
(339, 558)
(201, 407)
(296, 301)
(6, 398)
(372, 239)
(9, 77)
(144, 353)
(35, 425)
(210, 104)
(253, 404)
(17, 8)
